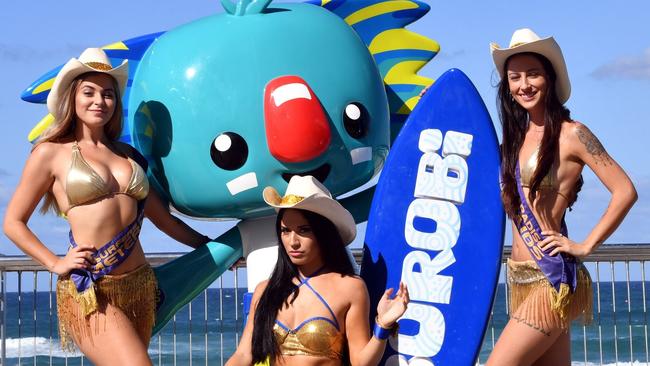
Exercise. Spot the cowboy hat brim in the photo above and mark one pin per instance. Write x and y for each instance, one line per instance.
(322, 205)
(546, 47)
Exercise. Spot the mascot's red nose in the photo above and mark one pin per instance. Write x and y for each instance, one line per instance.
(297, 129)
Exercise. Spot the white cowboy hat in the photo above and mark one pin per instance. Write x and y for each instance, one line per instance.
(90, 60)
(525, 40)
(307, 193)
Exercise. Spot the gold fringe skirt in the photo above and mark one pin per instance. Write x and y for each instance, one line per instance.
(533, 300)
(134, 293)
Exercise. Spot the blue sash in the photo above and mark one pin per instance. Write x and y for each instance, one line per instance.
(560, 270)
(107, 258)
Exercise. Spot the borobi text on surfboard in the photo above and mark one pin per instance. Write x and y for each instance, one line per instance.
(440, 188)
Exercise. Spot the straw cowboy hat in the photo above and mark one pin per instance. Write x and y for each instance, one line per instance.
(90, 60)
(307, 193)
(525, 40)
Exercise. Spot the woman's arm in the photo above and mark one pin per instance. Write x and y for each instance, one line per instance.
(364, 349)
(590, 151)
(171, 225)
(36, 180)
(244, 353)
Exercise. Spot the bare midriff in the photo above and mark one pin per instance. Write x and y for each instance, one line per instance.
(299, 360)
(99, 222)
(548, 208)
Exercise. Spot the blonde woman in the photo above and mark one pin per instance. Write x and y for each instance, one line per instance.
(105, 290)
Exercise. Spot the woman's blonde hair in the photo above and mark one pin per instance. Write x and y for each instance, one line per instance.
(63, 128)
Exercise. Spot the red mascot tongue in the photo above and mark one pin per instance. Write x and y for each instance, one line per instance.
(297, 129)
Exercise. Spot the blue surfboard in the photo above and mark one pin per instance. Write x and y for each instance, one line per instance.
(437, 223)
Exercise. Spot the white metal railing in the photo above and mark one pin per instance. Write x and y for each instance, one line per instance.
(207, 330)
(618, 334)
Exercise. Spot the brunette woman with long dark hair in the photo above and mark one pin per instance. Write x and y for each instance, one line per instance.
(314, 309)
(543, 153)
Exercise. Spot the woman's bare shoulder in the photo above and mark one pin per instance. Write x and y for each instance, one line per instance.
(260, 288)
(575, 129)
(573, 132)
(580, 135)
(585, 145)
(49, 152)
(350, 285)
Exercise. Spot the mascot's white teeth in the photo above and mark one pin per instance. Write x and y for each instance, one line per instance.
(361, 154)
(242, 183)
(289, 92)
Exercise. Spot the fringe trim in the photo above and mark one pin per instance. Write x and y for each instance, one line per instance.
(560, 300)
(87, 300)
(134, 293)
(534, 301)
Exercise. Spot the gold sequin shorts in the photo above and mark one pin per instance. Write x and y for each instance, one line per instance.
(531, 298)
(134, 293)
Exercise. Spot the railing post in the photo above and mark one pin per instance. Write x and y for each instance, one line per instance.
(3, 318)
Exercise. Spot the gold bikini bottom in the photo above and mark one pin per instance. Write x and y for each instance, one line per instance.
(531, 296)
(134, 293)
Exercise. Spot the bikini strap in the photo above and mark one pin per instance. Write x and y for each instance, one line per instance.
(307, 278)
(336, 322)
(305, 282)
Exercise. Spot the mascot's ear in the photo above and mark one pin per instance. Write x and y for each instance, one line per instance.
(244, 7)
(153, 136)
(152, 127)
(229, 7)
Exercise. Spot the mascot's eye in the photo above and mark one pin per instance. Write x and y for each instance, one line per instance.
(229, 151)
(356, 120)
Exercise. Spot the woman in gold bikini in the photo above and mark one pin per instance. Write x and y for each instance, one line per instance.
(314, 310)
(543, 153)
(105, 290)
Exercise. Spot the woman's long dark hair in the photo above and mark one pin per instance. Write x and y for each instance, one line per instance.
(514, 121)
(281, 289)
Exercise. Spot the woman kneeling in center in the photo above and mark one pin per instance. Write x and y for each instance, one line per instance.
(314, 309)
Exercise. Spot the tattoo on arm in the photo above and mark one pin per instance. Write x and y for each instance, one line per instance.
(594, 147)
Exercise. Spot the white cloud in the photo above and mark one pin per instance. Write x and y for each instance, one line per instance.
(626, 67)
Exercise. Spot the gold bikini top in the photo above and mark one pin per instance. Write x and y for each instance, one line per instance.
(528, 169)
(84, 185)
(316, 336)
(313, 337)
(549, 182)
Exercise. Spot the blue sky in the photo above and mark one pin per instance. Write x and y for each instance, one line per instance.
(607, 50)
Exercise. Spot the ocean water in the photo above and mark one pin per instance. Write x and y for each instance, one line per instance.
(188, 334)
(210, 336)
